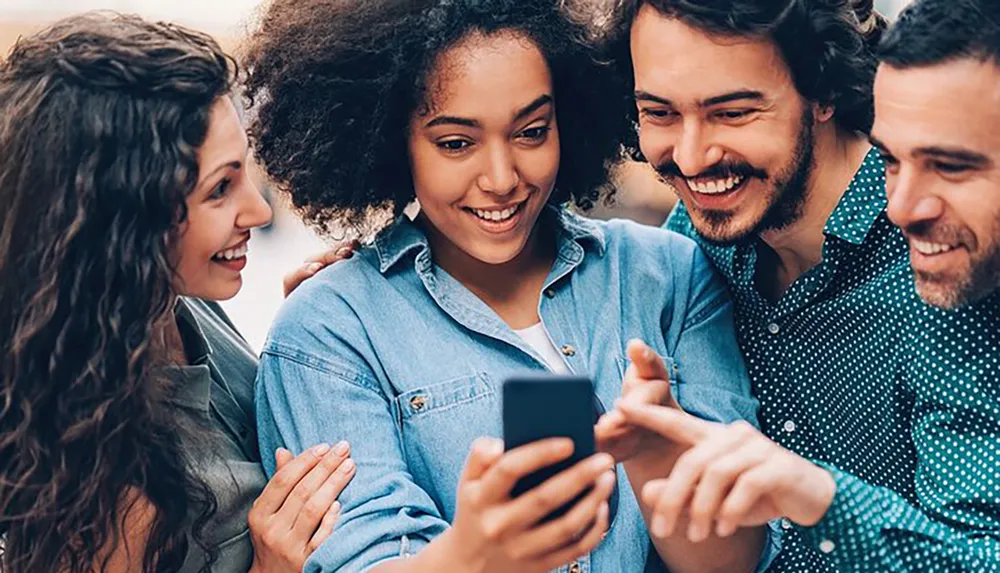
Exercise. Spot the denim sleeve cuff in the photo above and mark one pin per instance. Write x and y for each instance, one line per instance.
(772, 545)
(852, 527)
(375, 555)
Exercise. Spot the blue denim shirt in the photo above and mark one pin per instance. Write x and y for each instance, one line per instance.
(389, 352)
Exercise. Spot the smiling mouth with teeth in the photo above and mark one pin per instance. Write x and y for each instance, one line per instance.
(496, 216)
(929, 248)
(231, 254)
(715, 187)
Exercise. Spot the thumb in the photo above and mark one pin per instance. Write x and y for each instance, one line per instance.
(648, 364)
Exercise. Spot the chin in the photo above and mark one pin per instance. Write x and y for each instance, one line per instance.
(947, 295)
(218, 293)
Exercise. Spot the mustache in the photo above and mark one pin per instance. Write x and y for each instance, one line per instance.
(721, 170)
(944, 233)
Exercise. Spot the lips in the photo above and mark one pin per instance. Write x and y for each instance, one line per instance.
(715, 186)
(496, 215)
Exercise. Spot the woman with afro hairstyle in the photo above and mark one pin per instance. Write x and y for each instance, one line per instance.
(487, 116)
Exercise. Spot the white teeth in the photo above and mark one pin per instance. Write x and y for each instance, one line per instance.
(230, 254)
(926, 248)
(714, 187)
(495, 215)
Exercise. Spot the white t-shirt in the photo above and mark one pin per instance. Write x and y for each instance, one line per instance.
(536, 338)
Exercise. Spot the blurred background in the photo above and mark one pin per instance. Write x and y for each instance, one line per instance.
(282, 247)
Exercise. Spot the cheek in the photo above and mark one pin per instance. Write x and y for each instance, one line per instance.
(540, 167)
(439, 180)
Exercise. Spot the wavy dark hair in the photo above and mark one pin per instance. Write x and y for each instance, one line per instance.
(931, 32)
(828, 45)
(333, 85)
(101, 117)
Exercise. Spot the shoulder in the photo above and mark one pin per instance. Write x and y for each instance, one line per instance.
(640, 244)
(325, 318)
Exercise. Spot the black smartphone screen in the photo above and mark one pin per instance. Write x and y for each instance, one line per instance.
(539, 407)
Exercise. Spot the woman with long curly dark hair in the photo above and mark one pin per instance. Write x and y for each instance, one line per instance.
(127, 437)
(488, 116)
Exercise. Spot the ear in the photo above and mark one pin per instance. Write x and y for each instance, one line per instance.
(822, 112)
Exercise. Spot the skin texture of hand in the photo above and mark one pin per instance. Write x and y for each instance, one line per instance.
(314, 264)
(732, 476)
(298, 508)
(495, 533)
(646, 381)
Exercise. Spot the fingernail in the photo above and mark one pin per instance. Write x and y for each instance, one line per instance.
(347, 466)
(604, 511)
(696, 533)
(341, 448)
(279, 450)
(607, 479)
(320, 449)
(659, 526)
(724, 529)
(343, 252)
(603, 461)
(335, 507)
(314, 267)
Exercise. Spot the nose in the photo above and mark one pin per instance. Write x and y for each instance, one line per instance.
(694, 152)
(254, 211)
(911, 200)
(500, 176)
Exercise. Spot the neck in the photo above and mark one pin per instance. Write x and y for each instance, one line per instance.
(512, 288)
(799, 246)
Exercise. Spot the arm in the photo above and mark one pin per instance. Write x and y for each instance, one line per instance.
(303, 401)
(956, 525)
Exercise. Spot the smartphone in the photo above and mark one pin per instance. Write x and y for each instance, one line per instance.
(549, 406)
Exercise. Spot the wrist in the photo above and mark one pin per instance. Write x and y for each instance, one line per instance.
(453, 551)
(824, 488)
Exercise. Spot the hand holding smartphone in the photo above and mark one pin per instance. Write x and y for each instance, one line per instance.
(540, 407)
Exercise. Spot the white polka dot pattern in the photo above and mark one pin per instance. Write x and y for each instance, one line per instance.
(899, 400)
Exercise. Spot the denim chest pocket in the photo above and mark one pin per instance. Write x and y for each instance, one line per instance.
(672, 367)
(437, 425)
(442, 396)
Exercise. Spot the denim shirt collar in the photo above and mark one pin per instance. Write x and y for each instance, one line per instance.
(404, 237)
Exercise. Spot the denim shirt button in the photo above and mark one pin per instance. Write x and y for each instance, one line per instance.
(575, 567)
(417, 403)
(550, 293)
(568, 350)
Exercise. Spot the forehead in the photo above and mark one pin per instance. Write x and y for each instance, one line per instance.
(484, 76)
(952, 104)
(680, 62)
(226, 140)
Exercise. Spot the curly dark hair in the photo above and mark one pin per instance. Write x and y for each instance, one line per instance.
(828, 45)
(101, 117)
(931, 32)
(334, 84)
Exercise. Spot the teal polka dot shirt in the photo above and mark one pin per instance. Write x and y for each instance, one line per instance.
(900, 401)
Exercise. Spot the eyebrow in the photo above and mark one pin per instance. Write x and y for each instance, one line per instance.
(953, 153)
(525, 111)
(739, 95)
(234, 165)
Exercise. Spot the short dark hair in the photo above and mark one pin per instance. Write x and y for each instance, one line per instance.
(931, 32)
(827, 44)
(336, 84)
(101, 118)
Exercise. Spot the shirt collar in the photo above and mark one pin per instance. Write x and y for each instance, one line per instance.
(404, 236)
(862, 203)
(191, 383)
